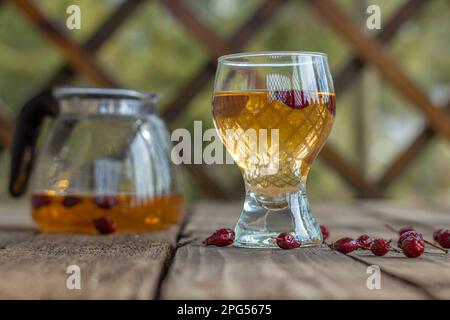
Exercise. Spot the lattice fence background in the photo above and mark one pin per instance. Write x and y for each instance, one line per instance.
(369, 50)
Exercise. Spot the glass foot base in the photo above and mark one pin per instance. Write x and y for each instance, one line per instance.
(264, 218)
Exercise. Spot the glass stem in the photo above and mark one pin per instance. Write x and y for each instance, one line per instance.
(264, 217)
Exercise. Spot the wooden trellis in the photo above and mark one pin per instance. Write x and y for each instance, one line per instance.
(5, 134)
(81, 59)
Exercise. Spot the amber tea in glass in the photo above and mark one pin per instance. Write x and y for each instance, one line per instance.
(289, 98)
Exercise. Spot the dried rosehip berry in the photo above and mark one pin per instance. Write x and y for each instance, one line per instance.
(402, 230)
(364, 241)
(71, 201)
(380, 247)
(444, 238)
(105, 225)
(105, 202)
(408, 234)
(325, 232)
(436, 234)
(413, 246)
(286, 240)
(345, 245)
(40, 200)
(220, 238)
(296, 99)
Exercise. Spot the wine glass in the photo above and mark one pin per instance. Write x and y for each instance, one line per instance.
(273, 112)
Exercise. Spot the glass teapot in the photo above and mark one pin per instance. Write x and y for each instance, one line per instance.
(105, 162)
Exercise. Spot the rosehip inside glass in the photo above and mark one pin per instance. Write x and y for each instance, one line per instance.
(274, 112)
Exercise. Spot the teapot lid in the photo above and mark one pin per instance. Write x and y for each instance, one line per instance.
(65, 92)
(108, 100)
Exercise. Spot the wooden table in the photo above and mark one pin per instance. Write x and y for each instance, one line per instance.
(174, 264)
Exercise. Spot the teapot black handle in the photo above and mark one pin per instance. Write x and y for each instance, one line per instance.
(27, 130)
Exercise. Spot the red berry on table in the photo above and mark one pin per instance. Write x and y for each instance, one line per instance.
(105, 202)
(380, 247)
(402, 230)
(408, 234)
(413, 247)
(436, 234)
(71, 201)
(345, 245)
(105, 225)
(220, 238)
(325, 232)
(40, 200)
(364, 242)
(444, 238)
(286, 240)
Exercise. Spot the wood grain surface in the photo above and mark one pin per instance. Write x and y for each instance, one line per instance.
(201, 272)
(120, 266)
(174, 264)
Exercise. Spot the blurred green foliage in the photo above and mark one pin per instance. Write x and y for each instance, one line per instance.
(152, 51)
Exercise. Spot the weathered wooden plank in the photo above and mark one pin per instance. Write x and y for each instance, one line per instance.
(129, 266)
(409, 213)
(120, 266)
(200, 272)
(430, 273)
(9, 236)
(230, 273)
